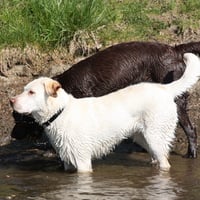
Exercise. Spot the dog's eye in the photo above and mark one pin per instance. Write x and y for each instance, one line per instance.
(31, 92)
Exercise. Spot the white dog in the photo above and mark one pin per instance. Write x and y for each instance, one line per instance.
(87, 128)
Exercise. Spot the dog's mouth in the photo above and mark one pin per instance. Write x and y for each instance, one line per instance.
(17, 107)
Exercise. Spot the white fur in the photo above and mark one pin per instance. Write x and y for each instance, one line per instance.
(91, 127)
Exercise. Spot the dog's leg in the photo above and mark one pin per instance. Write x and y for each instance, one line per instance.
(159, 135)
(187, 126)
(139, 139)
(159, 153)
(84, 165)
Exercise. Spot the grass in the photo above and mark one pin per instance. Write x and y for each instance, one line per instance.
(137, 17)
(49, 23)
(52, 24)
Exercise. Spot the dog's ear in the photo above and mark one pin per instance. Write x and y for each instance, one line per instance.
(52, 87)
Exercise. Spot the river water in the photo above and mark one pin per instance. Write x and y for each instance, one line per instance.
(118, 176)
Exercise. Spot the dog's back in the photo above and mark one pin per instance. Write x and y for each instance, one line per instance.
(121, 65)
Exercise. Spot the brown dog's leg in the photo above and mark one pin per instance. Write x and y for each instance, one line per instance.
(187, 126)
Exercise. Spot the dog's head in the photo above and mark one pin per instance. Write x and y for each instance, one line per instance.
(35, 96)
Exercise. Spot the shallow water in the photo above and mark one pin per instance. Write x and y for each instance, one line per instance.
(118, 176)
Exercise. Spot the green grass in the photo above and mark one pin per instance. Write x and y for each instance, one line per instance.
(137, 16)
(50, 23)
(54, 23)
(190, 8)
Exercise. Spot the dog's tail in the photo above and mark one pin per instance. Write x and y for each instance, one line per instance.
(189, 78)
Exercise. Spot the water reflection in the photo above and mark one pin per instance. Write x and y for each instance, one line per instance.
(161, 187)
(120, 176)
(91, 186)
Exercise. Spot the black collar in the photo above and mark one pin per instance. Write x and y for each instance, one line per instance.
(48, 122)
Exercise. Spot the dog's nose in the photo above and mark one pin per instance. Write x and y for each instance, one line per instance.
(12, 100)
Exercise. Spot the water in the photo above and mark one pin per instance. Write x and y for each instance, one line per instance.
(118, 176)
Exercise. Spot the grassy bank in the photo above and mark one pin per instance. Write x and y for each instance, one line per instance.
(52, 24)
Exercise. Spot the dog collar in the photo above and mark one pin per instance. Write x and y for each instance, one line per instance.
(48, 122)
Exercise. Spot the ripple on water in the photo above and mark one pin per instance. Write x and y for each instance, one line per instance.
(119, 176)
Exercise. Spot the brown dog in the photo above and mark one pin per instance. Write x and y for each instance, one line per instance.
(121, 65)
